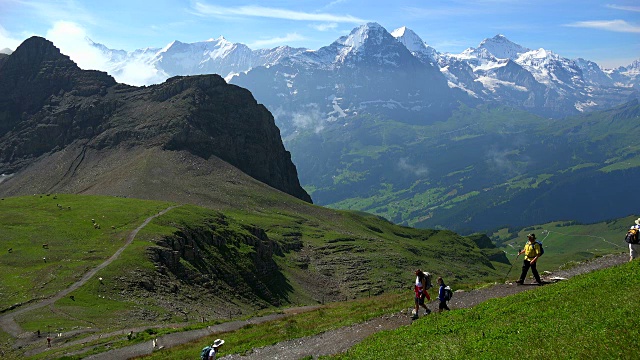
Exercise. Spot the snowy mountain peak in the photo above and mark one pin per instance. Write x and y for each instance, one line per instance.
(369, 43)
(399, 32)
(172, 44)
(635, 65)
(537, 55)
(362, 34)
(410, 39)
(415, 44)
(220, 39)
(502, 48)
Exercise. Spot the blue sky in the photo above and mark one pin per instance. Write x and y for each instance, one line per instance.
(605, 32)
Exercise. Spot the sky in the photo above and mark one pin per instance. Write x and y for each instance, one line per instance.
(605, 32)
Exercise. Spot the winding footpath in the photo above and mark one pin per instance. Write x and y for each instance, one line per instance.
(340, 340)
(7, 321)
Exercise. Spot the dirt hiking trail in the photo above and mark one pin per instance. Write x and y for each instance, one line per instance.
(339, 340)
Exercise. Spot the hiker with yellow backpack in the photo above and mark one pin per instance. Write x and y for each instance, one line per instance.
(532, 251)
(633, 239)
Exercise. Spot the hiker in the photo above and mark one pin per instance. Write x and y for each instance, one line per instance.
(214, 349)
(48, 341)
(532, 251)
(422, 284)
(634, 248)
(442, 295)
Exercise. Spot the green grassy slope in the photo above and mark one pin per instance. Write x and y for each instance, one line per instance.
(193, 263)
(591, 316)
(317, 256)
(66, 224)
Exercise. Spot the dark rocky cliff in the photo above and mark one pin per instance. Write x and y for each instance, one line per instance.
(47, 104)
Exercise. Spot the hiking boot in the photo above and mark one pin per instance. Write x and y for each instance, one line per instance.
(427, 312)
(540, 283)
(414, 317)
(520, 282)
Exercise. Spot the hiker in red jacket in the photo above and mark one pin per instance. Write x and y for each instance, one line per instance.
(423, 282)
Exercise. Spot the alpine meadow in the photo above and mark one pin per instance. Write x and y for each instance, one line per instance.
(284, 199)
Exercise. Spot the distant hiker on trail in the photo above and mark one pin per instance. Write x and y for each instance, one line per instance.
(634, 246)
(532, 251)
(423, 282)
(442, 295)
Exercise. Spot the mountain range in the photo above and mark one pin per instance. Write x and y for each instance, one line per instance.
(382, 122)
(496, 71)
(253, 241)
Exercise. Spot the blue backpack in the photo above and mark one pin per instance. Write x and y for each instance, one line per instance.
(204, 354)
(541, 248)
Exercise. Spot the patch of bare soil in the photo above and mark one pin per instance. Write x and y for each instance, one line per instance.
(339, 340)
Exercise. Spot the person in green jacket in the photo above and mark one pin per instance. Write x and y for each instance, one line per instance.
(532, 252)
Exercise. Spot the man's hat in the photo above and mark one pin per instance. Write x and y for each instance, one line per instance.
(532, 235)
(217, 343)
(638, 221)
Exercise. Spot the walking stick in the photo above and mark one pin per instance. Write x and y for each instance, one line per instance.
(514, 261)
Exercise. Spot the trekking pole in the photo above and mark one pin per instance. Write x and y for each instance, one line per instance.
(514, 261)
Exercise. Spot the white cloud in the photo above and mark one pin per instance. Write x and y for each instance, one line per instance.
(325, 27)
(333, 3)
(72, 41)
(267, 12)
(276, 41)
(310, 119)
(7, 40)
(418, 170)
(624, 8)
(608, 25)
(139, 73)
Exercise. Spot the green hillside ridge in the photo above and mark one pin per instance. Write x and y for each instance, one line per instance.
(195, 264)
(590, 316)
(320, 259)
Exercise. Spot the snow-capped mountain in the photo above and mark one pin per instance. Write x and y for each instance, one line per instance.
(540, 81)
(213, 55)
(218, 56)
(367, 71)
(372, 70)
(500, 47)
(415, 44)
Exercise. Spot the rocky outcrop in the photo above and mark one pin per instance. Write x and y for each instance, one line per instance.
(47, 103)
(219, 259)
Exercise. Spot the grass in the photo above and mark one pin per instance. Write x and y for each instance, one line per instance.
(348, 240)
(65, 223)
(342, 249)
(552, 322)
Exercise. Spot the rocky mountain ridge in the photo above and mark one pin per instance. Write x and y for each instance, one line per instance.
(49, 105)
